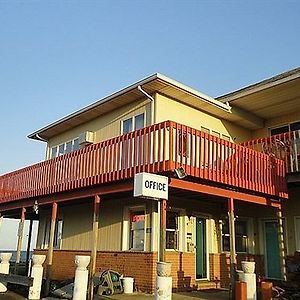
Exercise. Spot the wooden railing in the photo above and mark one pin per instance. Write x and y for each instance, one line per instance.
(285, 146)
(157, 149)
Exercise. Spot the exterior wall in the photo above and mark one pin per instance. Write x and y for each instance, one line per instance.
(105, 126)
(169, 109)
(77, 224)
(139, 265)
(291, 209)
(275, 122)
(219, 265)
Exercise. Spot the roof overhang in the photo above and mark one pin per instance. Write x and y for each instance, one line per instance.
(156, 83)
(270, 98)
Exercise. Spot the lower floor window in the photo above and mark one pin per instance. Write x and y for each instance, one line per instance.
(172, 230)
(137, 230)
(241, 236)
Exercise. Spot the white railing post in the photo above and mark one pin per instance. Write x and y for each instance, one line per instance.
(37, 274)
(4, 269)
(81, 277)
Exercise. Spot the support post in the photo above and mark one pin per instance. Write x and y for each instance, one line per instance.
(28, 245)
(281, 245)
(232, 246)
(4, 269)
(163, 224)
(20, 238)
(50, 248)
(94, 244)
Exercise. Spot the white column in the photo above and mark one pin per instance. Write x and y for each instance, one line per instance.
(81, 277)
(37, 274)
(163, 281)
(4, 269)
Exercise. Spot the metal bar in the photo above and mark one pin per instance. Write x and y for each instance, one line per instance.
(20, 236)
(232, 246)
(51, 247)
(163, 223)
(94, 244)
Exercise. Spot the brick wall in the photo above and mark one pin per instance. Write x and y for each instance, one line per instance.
(140, 265)
(183, 269)
(219, 266)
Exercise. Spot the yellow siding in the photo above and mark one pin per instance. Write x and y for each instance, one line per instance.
(275, 122)
(169, 109)
(107, 125)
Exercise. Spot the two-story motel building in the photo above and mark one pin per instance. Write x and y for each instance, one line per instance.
(238, 153)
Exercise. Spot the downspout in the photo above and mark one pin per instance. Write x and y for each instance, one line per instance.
(39, 138)
(152, 103)
(154, 220)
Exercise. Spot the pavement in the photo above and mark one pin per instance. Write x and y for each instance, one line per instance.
(203, 295)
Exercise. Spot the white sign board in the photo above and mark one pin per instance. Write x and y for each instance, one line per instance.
(151, 186)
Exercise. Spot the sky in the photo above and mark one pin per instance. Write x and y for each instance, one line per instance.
(59, 56)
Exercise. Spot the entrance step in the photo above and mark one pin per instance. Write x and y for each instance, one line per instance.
(206, 285)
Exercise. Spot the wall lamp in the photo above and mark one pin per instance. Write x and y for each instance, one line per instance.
(180, 172)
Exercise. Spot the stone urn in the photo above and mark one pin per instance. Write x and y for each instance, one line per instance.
(82, 261)
(5, 257)
(164, 269)
(38, 259)
(248, 266)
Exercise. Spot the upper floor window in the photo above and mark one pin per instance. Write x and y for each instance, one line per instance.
(65, 148)
(133, 123)
(285, 128)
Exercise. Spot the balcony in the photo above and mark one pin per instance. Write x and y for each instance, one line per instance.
(159, 148)
(285, 146)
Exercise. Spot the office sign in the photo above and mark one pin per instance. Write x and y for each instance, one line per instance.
(152, 186)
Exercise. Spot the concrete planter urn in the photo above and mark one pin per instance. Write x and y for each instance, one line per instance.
(38, 259)
(5, 257)
(82, 261)
(248, 266)
(164, 269)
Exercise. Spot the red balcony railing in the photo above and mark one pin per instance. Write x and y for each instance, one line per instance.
(285, 146)
(158, 148)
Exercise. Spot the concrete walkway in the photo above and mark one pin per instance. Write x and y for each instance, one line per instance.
(203, 295)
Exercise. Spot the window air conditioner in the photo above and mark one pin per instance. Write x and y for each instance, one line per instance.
(86, 138)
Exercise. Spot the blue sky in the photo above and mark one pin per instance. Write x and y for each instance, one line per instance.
(58, 56)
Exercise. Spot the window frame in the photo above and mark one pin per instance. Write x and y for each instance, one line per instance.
(289, 124)
(56, 148)
(126, 226)
(242, 219)
(133, 122)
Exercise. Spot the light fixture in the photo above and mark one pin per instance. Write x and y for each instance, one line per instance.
(180, 172)
(35, 207)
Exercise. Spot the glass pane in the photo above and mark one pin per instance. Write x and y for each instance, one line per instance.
(279, 130)
(215, 133)
(171, 239)
(69, 147)
(53, 152)
(226, 137)
(137, 230)
(127, 126)
(61, 149)
(226, 243)
(172, 220)
(241, 243)
(295, 126)
(241, 227)
(139, 122)
(75, 144)
(204, 129)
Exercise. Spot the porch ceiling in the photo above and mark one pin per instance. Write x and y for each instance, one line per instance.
(277, 96)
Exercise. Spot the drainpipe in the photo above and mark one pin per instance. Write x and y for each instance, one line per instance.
(152, 103)
(153, 223)
(40, 138)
